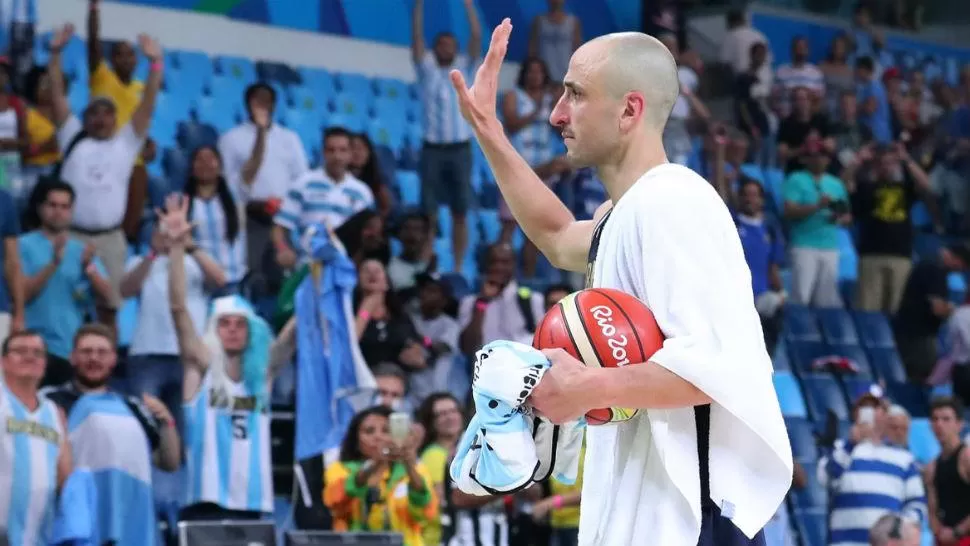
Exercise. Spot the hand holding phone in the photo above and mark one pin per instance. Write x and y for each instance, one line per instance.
(400, 425)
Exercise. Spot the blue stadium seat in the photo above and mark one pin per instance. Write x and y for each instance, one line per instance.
(812, 527)
(353, 123)
(277, 72)
(356, 84)
(77, 96)
(789, 395)
(780, 361)
(800, 324)
(190, 71)
(415, 110)
(801, 434)
(392, 89)
(385, 158)
(857, 355)
(922, 442)
(446, 259)
(230, 92)
(318, 80)
(348, 104)
(237, 68)
(409, 187)
(803, 353)
(383, 133)
(162, 130)
(837, 326)
(874, 330)
(216, 112)
(173, 104)
(490, 225)
(191, 135)
(305, 124)
(957, 284)
(459, 286)
(915, 398)
(773, 181)
(175, 164)
(848, 258)
(823, 394)
(920, 215)
(390, 111)
(753, 172)
(307, 100)
(887, 365)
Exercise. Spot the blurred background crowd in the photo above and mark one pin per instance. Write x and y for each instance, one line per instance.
(185, 211)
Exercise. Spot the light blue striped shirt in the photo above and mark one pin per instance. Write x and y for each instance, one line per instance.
(210, 234)
(315, 198)
(443, 123)
(868, 481)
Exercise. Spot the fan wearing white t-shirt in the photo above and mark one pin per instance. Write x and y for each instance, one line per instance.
(98, 159)
(327, 196)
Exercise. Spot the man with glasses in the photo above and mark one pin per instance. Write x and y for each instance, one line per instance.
(35, 457)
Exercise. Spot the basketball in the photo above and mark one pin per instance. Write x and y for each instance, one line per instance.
(601, 327)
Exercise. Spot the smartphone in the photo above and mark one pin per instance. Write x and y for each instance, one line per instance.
(867, 415)
(400, 425)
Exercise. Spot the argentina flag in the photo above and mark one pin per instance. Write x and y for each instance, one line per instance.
(333, 380)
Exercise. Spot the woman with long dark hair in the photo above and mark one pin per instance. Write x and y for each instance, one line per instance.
(384, 329)
(378, 486)
(365, 166)
(217, 217)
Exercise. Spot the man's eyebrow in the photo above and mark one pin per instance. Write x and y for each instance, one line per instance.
(572, 86)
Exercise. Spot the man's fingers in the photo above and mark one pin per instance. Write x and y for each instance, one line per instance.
(498, 46)
(458, 82)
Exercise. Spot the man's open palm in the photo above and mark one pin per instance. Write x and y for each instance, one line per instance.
(478, 102)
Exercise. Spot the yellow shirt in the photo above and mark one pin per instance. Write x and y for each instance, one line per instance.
(435, 459)
(105, 83)
(39, 131)
(567, 518)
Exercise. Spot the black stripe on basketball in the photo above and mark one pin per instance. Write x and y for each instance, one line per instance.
(633, 327)
(589, 336)
(562, 312)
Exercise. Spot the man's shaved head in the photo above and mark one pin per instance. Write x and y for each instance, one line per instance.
(618, 86)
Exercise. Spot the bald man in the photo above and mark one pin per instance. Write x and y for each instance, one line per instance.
(892, 530)
(703, 458)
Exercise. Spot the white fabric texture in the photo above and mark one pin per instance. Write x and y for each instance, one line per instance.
(671, 242)
(505, 448)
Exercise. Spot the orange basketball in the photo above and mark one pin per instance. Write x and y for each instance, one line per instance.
(601, 327)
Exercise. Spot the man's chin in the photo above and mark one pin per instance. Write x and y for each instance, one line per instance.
(93, 382)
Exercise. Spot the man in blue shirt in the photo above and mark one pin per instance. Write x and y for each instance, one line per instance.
(60, 274)
(873, 101)
(11, 281)
(816, 205)
(764, 250)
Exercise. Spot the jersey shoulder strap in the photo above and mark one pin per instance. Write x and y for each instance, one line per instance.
(524, 299)
(594, 247)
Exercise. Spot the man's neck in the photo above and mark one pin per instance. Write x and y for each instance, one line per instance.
(630, 164)
(84, 389)
(949, 445)
(334, 176)
(24, 390)
(51, 233)
(234, 368)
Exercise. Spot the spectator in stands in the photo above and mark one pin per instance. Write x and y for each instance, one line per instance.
(953, 154)
(868, 477)
(815, 205)
(12, 280)
(839, 76)
(873, 101)
(948, 477)
(118, 436)
(417, 253)
(798, 130)
(554, 294)
(154, 366)
(764, 249)
(43, 151)
(98, 161)
(850, 135)
(893, 530)
(261, 161)
(897, 426)
(218, 218)
(33, 428)
(392, 385)
(884, 185)
(440, 333)
(328, 195)
(61, 274)
(361, 489)
(553, 38)
(739, 42)
(954, 364)
(800, 73)
(751, 90)
(441, 417)
(501, 309)
(924, 307)
(365, 165)
(867, 41)
(384, 329)
(446, 154)
(363, 237)
(688, 106)
(525, 115)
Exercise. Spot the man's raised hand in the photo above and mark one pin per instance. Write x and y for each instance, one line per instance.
(478, 102)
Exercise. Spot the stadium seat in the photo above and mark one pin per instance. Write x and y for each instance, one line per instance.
(348, 104)
(822, 393)
(409, 188)
(446, 260)
(915, 398)
(356, 84)
(887, 365)
(858, 357)
(458, 285)
(490, 224)
(175, 164)
(801, 434)
(753, 172)
(237, 68)
(957, 284)
(162, 130)
(277, 72)
(803, 353)
(319, 81)
(390, 111)
(780, 361)
(191, 135)
(190, 71)
(392, 89)
(77, 97)
(812, 527)
(308, 101)
(305, 124)
(173, 103)
(800, 324)
(874, 330)
(216, 112)
(229, 91)
(386, 134)
(837, 326)
(922, 442)
(789, 395)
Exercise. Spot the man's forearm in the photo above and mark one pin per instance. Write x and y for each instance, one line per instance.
(15, 281)
(642, 386)
(169, 448)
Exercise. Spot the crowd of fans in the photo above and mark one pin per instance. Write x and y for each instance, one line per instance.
(859, 143)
